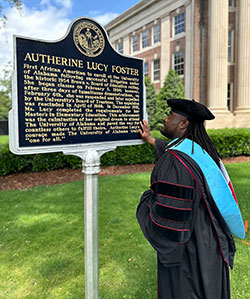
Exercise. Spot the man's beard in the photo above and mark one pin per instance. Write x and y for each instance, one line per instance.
(164, 131)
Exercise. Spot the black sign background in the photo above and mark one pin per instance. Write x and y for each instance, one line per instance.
(66, 48)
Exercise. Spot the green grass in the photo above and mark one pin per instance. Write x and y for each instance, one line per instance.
(240, 283)
(42, 241)
(4, 139)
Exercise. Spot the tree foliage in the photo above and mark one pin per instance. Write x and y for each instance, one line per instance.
(5, 94)
(5, 82)
(150, 101)
(173, 88)
(11, 3)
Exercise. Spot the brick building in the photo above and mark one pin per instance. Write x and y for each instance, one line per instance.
(205, 41)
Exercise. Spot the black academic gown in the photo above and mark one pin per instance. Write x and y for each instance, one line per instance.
(179, 218)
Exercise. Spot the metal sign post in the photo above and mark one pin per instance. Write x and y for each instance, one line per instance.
(91, 169)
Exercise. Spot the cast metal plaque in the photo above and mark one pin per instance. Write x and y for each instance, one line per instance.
(75, 92)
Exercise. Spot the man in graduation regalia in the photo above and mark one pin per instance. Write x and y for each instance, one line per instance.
(190, 211)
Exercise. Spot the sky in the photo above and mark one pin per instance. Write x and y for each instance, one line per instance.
(49, 20)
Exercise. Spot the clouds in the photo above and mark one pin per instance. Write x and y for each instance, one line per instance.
(103, 18)
(48, 20)
(49, 23)
(67, 4)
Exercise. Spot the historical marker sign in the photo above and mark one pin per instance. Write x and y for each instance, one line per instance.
(74, 92)
(79, 96)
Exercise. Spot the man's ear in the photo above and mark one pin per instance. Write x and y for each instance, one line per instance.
(184, 124)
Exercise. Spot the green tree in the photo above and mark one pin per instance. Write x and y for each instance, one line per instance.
(173, 88)
(5, 82)
(5, 94)
(12, 3)
(150, 101)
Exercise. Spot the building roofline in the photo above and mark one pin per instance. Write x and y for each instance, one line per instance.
(135, 9)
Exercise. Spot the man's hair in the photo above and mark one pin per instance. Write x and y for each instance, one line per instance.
(197, 133)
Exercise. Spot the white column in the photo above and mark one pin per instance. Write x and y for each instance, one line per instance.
(217, 60)
(243, 59)
(189, 49)
(165, 47)
(126, 45)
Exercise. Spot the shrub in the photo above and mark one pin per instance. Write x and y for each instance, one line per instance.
(44, 162)
(229, 142)
(151, 98)
(10, 163)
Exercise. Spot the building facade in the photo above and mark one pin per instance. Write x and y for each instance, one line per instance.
(205, 41)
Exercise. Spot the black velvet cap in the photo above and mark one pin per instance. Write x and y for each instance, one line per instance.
(190, 109)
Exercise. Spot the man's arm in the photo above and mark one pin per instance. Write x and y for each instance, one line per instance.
(145, 132)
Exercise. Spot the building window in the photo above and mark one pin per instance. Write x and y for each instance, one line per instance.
(230, 56)
(179, 63)
(231, 3)
(179, 24)
(229, 95)
(134, 43)
(145, 39)
(146, 69)
(120, 47)
(157, 34)
(156, 69)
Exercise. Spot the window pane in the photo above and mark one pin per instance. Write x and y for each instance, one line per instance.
(145, 39)
(157, 33)
(229, 95)
(179, 63)
(120, 47)
(135, 43)
(145, 68)
(179, 24)
(156, 70)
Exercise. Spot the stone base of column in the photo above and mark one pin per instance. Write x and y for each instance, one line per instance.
(242, 110)
(227, 119)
